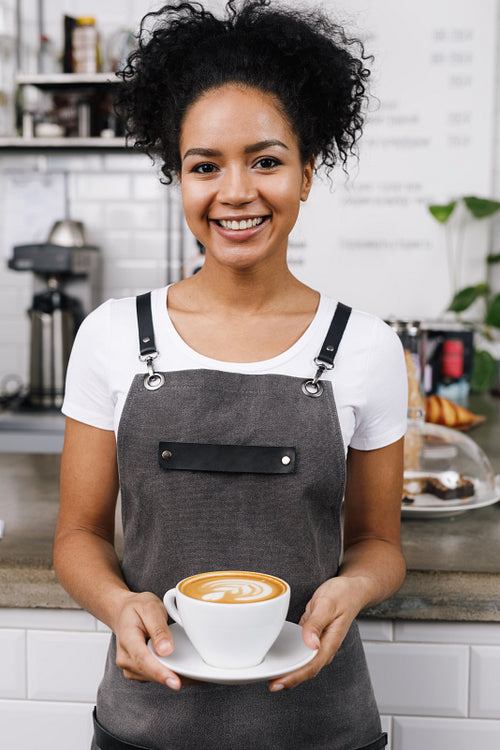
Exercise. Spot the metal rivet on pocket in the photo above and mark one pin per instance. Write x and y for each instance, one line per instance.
(166, 455)
(285, 460)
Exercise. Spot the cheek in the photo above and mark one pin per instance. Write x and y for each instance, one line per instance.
(288, 197)
(194, 200)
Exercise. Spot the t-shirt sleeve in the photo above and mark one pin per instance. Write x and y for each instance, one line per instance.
(88, 395)
(382, 417)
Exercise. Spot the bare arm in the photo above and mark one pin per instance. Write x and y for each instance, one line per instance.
(372, 568)
(85, 559)
(372, 521)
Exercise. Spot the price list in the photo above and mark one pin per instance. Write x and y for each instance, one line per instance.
(428, 138)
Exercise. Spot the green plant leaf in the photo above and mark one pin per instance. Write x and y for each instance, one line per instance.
(493, 312)
(492, 259)
(465, 297)
(442, 213)
(481, 208)
(484, 371)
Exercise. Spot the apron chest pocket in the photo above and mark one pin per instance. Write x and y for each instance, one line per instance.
(248, 459)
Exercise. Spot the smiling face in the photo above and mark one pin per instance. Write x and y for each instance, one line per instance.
(242, 178)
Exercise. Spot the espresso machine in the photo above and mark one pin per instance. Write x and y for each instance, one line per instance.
(66, 275)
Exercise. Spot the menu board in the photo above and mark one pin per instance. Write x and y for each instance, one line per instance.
(428, 138)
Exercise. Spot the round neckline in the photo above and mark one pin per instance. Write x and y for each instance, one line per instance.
(262, 364)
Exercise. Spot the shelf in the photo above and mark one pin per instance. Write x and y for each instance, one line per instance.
(55, 82)
(18, 143)
(43, 80)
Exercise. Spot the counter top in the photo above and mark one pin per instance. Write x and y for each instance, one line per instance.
(453, 563)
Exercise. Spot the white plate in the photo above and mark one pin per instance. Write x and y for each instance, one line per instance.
(288, 652)
(436, 508)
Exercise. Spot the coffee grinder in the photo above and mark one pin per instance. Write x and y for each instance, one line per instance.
(66, 272)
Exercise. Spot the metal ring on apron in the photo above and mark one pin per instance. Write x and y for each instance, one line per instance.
(153, 380)
(314, 388)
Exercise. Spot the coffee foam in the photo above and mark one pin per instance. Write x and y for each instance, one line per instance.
(232, 587)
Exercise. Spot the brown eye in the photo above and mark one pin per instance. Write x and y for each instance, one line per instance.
(205, 168)
(268, 162)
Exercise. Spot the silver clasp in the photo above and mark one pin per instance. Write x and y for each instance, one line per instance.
(314, 387)
(153, 380)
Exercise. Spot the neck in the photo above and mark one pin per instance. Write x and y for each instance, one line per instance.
(245, 291)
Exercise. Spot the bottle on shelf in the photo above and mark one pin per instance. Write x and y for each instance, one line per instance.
(84, 42)
(452, 382)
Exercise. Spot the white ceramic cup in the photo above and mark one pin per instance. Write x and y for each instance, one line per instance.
(231, 628)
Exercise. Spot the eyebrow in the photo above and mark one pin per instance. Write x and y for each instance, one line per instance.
(251, 149)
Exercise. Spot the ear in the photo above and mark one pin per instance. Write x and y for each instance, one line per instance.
(307, 178)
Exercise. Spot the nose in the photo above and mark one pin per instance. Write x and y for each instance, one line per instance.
(237, 187)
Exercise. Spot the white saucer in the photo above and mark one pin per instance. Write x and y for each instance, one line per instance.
(288, 652)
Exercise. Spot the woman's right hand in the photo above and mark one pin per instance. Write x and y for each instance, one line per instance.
(143, 616)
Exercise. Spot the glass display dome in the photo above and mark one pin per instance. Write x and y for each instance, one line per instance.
(445, 471)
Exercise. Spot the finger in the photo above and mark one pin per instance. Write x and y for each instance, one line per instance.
(317, 618)
(330, 643)
(142, 666)
(292, 679)
(154, 618)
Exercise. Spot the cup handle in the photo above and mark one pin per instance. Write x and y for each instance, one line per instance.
(170, 606)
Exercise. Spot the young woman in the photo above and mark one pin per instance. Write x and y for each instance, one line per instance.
(241, 111)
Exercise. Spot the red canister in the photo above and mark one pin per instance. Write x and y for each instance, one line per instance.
(452, 360)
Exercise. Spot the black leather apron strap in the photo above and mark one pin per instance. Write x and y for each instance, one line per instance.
(145, 322)
(324, 361)
(147, 347)
(247, 459)
(334, 335)
(106, 741)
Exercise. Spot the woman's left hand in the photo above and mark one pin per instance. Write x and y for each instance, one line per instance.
(325, 623)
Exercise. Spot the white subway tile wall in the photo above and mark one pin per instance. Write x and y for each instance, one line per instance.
(64, 666)
(438, 695)
(123, 206)
(45, 725)
(485, 682)
(13, 661)
(444, 734)
(425, 679)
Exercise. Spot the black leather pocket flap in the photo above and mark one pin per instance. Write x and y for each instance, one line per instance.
(255, 459)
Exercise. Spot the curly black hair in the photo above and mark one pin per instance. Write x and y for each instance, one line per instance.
(298, 56)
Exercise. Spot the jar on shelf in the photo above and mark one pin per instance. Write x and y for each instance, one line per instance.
(85, 46)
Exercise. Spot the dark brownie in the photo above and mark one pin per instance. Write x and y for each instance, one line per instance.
(464, 488)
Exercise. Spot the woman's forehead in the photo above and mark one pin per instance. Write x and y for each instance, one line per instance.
(234, 110)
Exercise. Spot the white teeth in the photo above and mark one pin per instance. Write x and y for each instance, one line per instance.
(243, 224)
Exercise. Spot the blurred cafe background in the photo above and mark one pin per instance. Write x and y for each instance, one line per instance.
(412, 235)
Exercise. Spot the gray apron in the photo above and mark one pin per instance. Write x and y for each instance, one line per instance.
(281, 518)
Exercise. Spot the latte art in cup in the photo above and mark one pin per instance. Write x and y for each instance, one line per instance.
(231, 617)
(232, 587)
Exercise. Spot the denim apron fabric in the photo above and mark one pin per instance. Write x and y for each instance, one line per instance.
(178, 522)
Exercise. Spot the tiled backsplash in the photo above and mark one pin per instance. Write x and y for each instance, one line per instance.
(437, 684)
(124, 207)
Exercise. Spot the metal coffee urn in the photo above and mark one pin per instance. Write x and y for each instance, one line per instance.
(66, 271)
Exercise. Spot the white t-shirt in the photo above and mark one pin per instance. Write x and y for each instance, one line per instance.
(369, 378)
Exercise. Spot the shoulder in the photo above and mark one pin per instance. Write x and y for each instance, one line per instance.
(375, 334)
(364, 333)
(116, 316)
(99, 319)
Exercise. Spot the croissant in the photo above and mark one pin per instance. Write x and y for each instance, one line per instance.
(440, 410)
